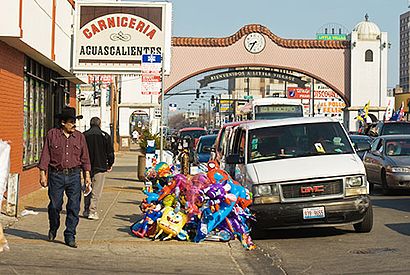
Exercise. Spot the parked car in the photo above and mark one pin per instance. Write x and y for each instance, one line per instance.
(383, 128)
(388, 162)
(222, 137)
(193, 132)
(303, 172)
(203, 149)
(361, 143)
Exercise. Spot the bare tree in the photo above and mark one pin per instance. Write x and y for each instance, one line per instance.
(178, 121)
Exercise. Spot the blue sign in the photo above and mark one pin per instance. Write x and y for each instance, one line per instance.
(151, 58)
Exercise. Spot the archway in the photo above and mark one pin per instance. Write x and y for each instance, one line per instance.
(327, 61)
(268, 81)
(139, 120)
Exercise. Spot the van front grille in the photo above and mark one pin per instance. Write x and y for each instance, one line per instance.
(312, 189)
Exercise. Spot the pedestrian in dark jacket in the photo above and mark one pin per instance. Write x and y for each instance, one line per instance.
(102, 158)
(64, 155)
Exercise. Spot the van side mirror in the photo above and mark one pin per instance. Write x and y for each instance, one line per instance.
(376, 153)
(362, 147)
(234, 159)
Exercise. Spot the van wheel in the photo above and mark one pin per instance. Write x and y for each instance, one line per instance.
(367, 224)
(385, 187)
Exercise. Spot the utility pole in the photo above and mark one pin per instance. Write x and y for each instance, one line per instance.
(103, 103)
(114, 115)
(312, 98)
(161, 125)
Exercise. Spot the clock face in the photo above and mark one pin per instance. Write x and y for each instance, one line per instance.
(254, 42)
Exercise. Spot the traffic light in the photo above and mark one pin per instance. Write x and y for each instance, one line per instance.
(197, 93)
(212, 99)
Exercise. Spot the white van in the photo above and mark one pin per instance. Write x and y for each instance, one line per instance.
(303, 172)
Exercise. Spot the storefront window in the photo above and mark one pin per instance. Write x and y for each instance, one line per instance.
(45, 94)
(34, 120)
(34, 108)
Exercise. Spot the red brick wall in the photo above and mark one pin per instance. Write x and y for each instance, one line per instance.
(11, 102)
(29, 181)
(12, 116)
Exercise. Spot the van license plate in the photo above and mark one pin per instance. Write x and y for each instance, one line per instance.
(313, 213)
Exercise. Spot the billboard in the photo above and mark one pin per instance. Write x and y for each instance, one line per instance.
(113, 36)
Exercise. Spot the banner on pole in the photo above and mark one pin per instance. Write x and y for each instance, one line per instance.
(151, 74)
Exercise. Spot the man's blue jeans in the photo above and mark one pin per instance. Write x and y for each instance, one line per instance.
(59, 182)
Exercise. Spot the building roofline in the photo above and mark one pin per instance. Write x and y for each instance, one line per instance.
(286, 43)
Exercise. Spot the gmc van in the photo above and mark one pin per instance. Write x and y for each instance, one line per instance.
(303, 172)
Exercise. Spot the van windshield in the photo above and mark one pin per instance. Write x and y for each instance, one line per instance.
(301, 140)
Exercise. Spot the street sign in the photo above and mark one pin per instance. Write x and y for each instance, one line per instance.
(323, 36)
(157, 113)
(151, 74)
(247, 97)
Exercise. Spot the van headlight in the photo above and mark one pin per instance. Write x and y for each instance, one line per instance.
(266, 193)
(356, 186)
(355, 181)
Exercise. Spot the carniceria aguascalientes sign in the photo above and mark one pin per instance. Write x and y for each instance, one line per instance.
(112, 37)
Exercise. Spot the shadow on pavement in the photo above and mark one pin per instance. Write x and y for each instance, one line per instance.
(402, 228)
(38, 209)
(129, 218)
(134, 202)
(126, 230)
(401, 204)
(25, 234)
(299, 233)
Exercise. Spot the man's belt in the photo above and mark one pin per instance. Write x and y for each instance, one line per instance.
(65, 171)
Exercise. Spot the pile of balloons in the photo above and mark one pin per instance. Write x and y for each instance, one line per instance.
(209, 206)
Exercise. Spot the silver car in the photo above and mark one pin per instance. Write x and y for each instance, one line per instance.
(388, 162)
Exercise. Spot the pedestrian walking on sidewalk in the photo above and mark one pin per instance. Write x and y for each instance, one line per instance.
(64, 155)
(102, 157)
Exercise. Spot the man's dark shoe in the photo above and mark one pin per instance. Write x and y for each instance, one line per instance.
(71, 243)
(51, 235)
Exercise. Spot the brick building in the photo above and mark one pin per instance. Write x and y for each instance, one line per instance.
(35, 78)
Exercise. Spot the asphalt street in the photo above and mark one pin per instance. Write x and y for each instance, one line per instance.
(385, 250)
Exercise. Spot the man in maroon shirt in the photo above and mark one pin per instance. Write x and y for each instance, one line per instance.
(64, 155)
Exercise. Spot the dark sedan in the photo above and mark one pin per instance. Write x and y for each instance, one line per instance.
(388, 162)
(361, 144)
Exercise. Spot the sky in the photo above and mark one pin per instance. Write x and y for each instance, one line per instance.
(288, 19)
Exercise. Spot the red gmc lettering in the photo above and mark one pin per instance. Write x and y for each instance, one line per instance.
(312, 189)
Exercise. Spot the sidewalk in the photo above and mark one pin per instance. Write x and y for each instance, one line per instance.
(106, 246)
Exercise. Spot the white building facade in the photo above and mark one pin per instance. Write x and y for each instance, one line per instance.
(368, 75)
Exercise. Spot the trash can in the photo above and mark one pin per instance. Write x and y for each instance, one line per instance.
(141, 167)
